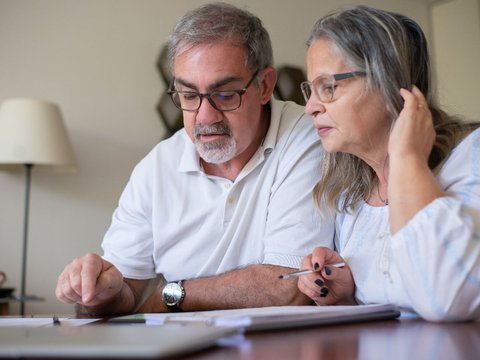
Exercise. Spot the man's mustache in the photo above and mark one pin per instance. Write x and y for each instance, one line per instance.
(218, 129)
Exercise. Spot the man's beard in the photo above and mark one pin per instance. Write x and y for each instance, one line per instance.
(215, 151)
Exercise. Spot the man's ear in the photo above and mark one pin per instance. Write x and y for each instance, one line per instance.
(267, 85)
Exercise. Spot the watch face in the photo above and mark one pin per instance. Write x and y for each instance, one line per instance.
(172, 294)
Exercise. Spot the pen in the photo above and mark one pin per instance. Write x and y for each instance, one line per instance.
(56, 321)
(307, 271)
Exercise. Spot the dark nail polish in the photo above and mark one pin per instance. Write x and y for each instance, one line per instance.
(319, 282)
(316, 266)
(323, 295)
(324, 290)
(328, 271)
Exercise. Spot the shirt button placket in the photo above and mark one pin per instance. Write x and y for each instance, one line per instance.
(229, 204)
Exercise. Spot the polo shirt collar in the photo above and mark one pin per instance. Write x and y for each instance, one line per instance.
(190, 160)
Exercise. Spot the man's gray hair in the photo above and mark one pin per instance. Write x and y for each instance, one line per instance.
(219, 22)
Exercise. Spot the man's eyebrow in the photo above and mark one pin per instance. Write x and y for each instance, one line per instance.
(213, 86)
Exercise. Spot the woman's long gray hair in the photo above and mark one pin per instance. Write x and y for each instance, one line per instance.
(392, 50)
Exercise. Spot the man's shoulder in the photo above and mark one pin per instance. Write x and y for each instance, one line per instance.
(292, 123)
(287, 110)
(290, 115)
(170, 150)
(173, 143)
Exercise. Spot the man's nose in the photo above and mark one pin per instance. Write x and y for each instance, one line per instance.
(207, 114)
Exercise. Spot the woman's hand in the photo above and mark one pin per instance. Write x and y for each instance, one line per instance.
(411, 183)
(413, 133)
(330, 285)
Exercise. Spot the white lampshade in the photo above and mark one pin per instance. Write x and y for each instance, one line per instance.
(32, 132)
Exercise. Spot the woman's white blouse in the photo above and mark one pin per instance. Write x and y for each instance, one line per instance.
(432, 265)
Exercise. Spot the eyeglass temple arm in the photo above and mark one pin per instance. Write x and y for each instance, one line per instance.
(348, 75)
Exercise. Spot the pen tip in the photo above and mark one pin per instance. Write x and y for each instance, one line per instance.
(280, 276)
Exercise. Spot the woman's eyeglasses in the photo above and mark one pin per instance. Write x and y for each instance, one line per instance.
(324, 86)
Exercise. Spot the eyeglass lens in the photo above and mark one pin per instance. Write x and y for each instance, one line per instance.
(227, 100)
(324, 85)
(220, 100)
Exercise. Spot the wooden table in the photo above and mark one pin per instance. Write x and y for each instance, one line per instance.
(404, 339)
(410, 339)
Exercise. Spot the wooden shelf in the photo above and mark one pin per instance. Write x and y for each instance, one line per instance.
(6, 301)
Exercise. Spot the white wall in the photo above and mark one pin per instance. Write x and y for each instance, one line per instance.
(96, 59)
(456, 46)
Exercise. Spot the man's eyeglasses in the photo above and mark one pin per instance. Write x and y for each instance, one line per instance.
(324, 86)
(221, 100)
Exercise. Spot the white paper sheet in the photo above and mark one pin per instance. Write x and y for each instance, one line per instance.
(270, 317)
(41, 321)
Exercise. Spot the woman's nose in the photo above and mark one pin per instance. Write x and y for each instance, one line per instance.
(314, 106)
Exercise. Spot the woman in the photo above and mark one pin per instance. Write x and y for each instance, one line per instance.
(401, 175)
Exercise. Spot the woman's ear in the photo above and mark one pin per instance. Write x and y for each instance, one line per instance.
(267, 85)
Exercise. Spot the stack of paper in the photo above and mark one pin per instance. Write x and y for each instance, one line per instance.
(273, 317)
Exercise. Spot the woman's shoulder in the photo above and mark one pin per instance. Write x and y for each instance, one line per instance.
(464, 158)
(469, 144)
(474, 136)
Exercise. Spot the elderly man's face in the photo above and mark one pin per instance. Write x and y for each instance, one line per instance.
(221, 136)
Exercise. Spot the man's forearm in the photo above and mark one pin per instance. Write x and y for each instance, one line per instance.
(253, 286)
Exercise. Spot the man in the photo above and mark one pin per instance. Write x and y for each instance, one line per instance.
(225, 203)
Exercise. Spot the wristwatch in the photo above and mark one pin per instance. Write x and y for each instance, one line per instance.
(172, 295)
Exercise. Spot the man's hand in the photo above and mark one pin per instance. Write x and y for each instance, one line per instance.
(89, 280)
(98, 288)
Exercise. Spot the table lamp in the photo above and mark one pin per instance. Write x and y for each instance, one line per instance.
(32, 133)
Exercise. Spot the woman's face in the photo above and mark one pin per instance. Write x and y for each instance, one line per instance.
(356, 121)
